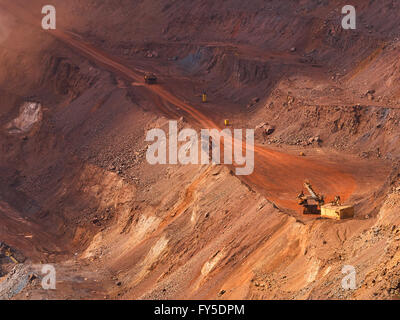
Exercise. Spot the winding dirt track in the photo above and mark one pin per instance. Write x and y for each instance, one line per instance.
(278, 174)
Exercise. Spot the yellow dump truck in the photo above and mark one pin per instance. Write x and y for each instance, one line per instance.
(338, 212)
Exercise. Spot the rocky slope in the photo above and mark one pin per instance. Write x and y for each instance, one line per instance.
(76, 190)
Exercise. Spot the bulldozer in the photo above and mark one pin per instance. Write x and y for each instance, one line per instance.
(150, 78)
(311, 203)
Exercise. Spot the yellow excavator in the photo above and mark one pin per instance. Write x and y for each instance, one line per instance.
(9, 254)
(311, 203)
(6, 251)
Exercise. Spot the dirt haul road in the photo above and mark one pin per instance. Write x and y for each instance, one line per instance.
(279, 175)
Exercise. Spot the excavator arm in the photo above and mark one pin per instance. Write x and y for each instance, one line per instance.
(315, 196)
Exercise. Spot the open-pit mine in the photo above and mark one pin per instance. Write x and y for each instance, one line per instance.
(84, 213)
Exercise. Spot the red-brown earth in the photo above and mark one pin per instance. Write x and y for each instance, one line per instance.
(76, 190)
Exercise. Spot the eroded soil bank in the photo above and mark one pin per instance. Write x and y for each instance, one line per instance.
(77, 192)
